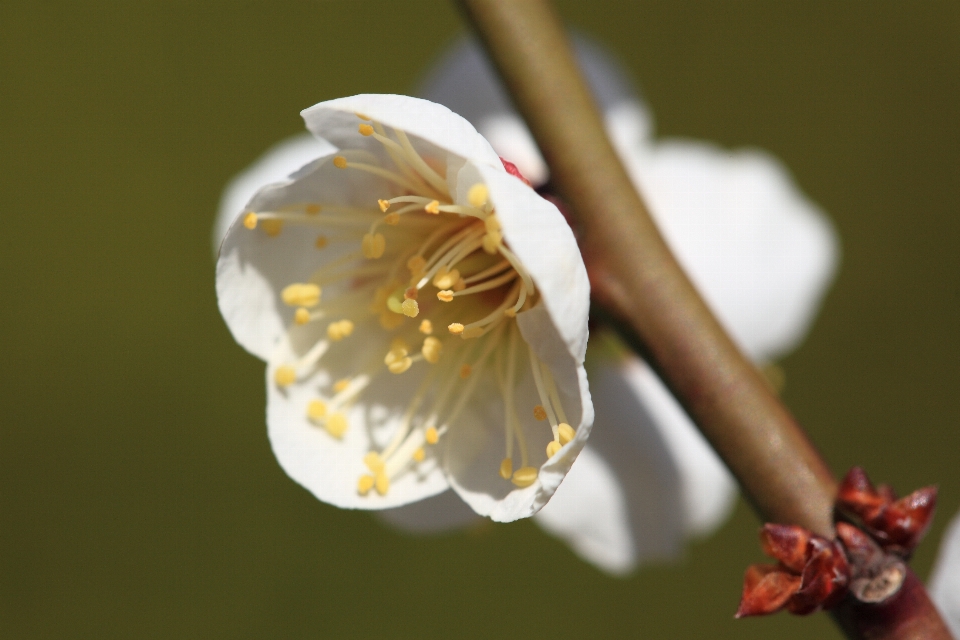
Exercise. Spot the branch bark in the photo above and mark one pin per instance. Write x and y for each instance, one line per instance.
(639, 286)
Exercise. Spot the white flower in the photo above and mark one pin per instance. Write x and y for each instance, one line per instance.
(760, 253)
(945, 579)
(422, 313)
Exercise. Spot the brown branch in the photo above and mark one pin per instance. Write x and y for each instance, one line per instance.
(639, 285)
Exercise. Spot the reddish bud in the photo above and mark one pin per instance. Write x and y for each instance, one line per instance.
(904, 523)
(898, 525)
(786, 543)
(824, 579)
(512, 170)
(766, 589)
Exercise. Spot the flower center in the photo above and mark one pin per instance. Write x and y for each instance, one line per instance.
(435, 283)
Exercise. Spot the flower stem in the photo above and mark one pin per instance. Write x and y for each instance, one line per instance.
(639, 286)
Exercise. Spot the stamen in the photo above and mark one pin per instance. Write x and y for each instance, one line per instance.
(382, 484)
(317, 410)
(477, 195)
(418, 163)
(301, 316)
(552, 447)
(392, 218)
(486, 273)
(340, 162)
(272, 227)
(489, 284)
(432, 207)
(374, 462)
(301, 294)
(410, 308)
(525, 476)
(465, 371)
(250, 220)
(312, 209)
(285, 376)
(337, 331)
(365, 484)
(419, 455)
(426, 327)
(445, 278)
(566, 432)
(445, 296)
(384, 205)
(341, 385)
(336, 425)
(373, 246)
(506, 468)
(416, 265)
(540, 413)
(321, 242)
(431, 350)
(455, 328)
(431, 435)
(365, 130)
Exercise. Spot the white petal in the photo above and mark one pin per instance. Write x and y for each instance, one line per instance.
(329, 467)
(437, 514)
(473, 455)
(622, 501)
(708, 489)
(758, 250)
(464, 81)
(538, 234)
(275, 165)
(945, 580)
(253, 268)
(337, 122)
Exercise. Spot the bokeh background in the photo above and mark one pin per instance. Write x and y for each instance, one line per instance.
(138, 493)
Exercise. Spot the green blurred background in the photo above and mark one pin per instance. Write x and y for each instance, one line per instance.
(138, 493)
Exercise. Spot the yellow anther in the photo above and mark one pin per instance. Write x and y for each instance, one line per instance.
(491, 242)
(426, 327)
(272, 227)
(455, 328)
(317, 410)
(460, 285)
(392, 218)
(400, 365)
(433, 207)
(539, 412)
(492, 224)
(506, 468)
(312, 209)
(321, 242)
(410, 308)
(419, 454)
(374, 462)
(446, 278)
(431, 435)
(553, 447)
(465, 371)
(365, 484)
(341, 384)
(373, 245)
(472, 332)
(445, 296)
(384, 205)
(510, 313)
(416, 265)
(524, 476)
(382, 484)
(250, 220)
(477, 195)
(301, 316)
(362, 116)
(285, 376)
(390, 321)
(566, 432)
(335, 332)
(431, 350)
(340, 162)
(399, 344)
(365, 130)
(411, 293)
(337, 425)
(300, 294)
(346, 327)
